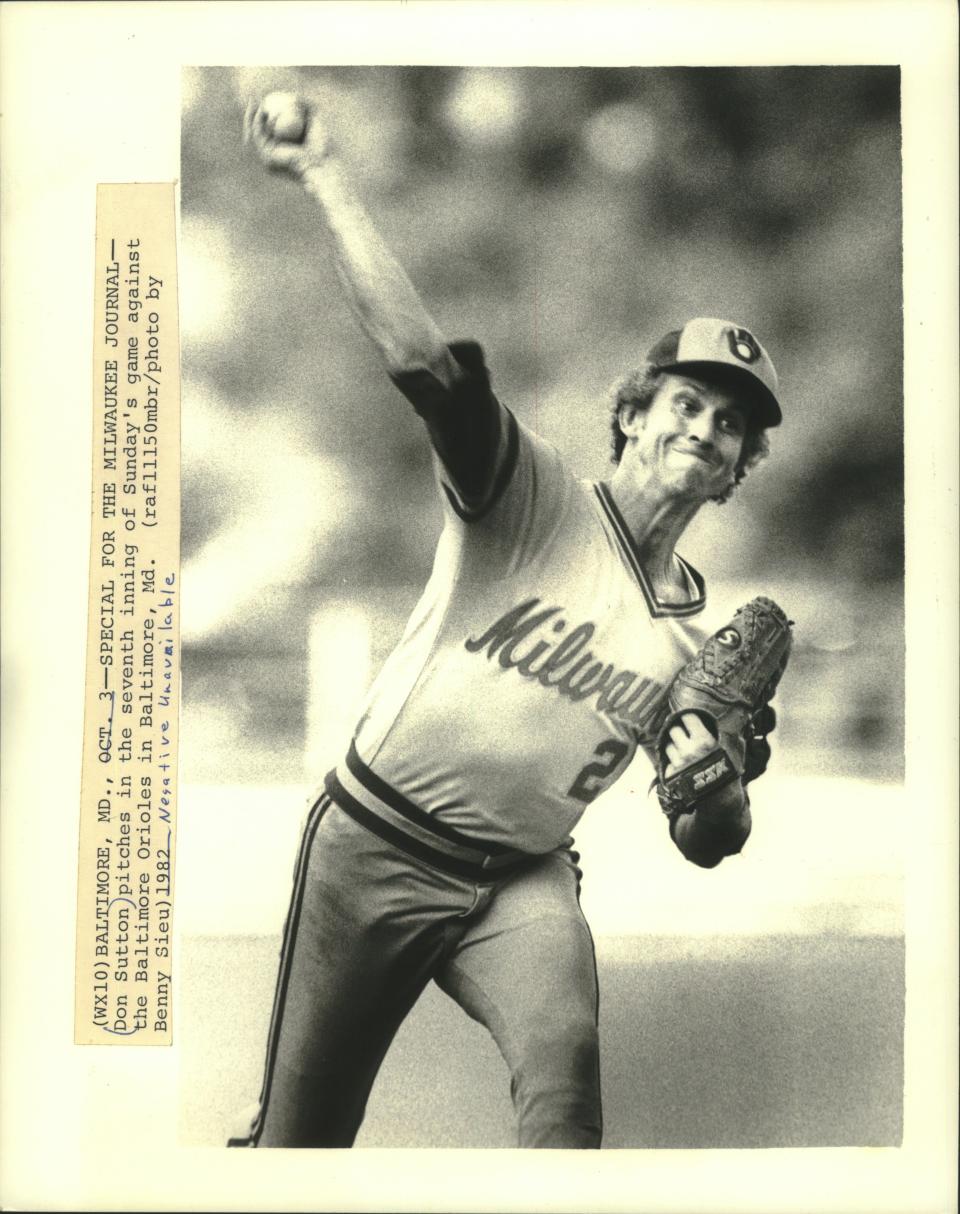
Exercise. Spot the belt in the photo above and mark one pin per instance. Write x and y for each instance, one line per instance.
(374, 804)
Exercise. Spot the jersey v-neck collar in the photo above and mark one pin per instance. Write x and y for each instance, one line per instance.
(655, 606)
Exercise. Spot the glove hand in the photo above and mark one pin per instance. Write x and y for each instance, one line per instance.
(291, 157)
(696, 764)
(714, 738)
(686, 741)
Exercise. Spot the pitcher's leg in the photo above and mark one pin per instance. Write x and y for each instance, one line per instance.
(526, 969)
(350, 970)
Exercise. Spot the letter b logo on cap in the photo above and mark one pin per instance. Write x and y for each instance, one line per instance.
(743, 345)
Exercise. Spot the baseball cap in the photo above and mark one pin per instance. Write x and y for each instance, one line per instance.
(707, 341)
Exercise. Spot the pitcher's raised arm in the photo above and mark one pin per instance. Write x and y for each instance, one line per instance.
(292, 137)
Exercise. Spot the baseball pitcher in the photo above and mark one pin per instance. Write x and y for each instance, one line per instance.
(557, 634)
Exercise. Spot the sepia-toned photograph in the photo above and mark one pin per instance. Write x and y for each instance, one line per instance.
(479, 616)
(543, 632)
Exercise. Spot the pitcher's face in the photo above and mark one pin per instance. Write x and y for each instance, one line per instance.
(690, 438)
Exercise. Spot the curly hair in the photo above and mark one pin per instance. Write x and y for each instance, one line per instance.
(639, 387)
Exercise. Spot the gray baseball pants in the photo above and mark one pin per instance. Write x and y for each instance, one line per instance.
(369, 926)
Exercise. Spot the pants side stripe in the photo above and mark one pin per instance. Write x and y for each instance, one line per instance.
(286, 957)
(596, 1005)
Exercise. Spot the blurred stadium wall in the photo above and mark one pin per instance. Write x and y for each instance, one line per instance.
(565, 218)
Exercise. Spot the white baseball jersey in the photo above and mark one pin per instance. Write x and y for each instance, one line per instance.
(537, 658)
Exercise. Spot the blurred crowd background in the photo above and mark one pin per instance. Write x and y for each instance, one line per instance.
(565, 218)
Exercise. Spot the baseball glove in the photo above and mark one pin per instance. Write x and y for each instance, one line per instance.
(728, 684)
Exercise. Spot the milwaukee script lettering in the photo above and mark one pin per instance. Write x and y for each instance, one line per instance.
(535, 641)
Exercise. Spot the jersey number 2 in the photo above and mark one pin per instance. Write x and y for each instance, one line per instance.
(592, 779)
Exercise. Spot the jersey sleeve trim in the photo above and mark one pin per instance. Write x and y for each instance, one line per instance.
(502, 480)
(465, 422)
(655, 606)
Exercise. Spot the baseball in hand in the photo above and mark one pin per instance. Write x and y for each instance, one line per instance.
(286, 116)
